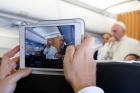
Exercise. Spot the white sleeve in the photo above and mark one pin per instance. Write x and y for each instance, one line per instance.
(103, 52)
(45, 50)
(91, 89)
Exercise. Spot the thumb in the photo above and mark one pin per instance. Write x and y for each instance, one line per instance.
(20, 74)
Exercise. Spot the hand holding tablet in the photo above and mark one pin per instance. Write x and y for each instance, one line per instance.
(43, 45)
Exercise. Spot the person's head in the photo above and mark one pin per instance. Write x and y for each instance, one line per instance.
(131, 57)
(61, 41)
(106, 37)
(49, 43)
(118, 30)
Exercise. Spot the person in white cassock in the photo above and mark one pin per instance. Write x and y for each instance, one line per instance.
(123, 45)
(50, 51)
(79, 69)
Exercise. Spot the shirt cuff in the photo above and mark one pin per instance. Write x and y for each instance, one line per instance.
(91, 89)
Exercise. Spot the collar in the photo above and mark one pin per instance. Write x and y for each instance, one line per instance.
(123, 38)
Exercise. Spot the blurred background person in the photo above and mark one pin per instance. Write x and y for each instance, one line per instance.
(50, 51)
(105, 38)
(61, 51)
(106, 52)
(131, 57)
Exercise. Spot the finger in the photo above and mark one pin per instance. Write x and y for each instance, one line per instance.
(68, 57)
(12, 52)
(87, 44)
(15, 60)
(7, 69)
(69, 53)
(13, 71)
(13, 63)
(88, 41)
(20, 74)
(86, 36)
(87, 48)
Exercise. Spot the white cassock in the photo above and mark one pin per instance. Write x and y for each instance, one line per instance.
(119, 50)
(50, 52)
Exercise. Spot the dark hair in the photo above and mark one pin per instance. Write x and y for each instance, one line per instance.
(107, 34)
(135, 55)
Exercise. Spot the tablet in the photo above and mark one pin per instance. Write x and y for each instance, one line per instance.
(43, 45)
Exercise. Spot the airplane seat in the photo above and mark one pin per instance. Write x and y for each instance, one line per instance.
(119, 77)
(111, 77)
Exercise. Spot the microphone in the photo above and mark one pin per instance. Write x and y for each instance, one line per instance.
(111, 42)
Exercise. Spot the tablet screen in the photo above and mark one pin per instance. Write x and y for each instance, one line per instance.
(45, 46)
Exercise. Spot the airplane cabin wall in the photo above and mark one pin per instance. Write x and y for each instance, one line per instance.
(58, 9)
(50, 10)
(8, 39)
(94, 22)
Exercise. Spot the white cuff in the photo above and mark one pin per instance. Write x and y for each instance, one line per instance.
(91, 89)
